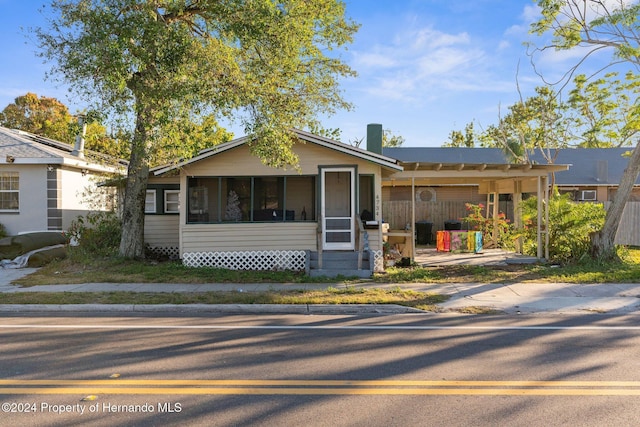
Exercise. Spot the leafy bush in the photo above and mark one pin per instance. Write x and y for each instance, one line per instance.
(570, 227)
(477, 221)
(98, 233)
(3, 232)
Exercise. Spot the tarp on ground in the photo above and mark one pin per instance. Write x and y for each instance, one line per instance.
(14, 246)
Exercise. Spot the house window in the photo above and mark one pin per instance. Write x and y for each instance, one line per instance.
(150, 202)
(171, 201)
(251, 199)
(366, 194)
(9, 191)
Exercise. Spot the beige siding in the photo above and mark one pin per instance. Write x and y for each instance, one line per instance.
(162, 230)
(164, 179)
(245, 237)
(240, 162)
(467, 193)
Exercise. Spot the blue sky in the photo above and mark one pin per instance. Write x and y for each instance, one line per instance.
(426, 67)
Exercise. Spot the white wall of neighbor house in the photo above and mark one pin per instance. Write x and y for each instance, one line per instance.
(32, 213)
(79, 193)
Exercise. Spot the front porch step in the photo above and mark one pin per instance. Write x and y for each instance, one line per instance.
(340, 263)
(363, 274)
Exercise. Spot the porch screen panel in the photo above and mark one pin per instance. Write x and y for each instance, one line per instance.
(203, 200)
(338, 194)
(236, 199)
(268, 199)
(301, 197)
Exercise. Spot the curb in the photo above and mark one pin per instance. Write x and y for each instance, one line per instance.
(213, 308)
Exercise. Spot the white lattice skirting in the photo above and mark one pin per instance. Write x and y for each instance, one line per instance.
(171, 252)
(378, 261)
(248, 260)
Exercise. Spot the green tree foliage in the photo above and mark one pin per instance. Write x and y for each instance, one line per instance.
(603, 111)
(466, 138)
(388, 139)
(42, 116)
(533, 124)
(270, 63)
(50, 118)
(570, 225)
(595, 26)
(391, 140)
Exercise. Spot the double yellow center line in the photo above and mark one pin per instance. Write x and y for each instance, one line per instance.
(319, 387)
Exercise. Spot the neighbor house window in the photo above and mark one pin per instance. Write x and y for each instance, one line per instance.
(9, 191)
(150, 202)
(171, 201)
(251, 199)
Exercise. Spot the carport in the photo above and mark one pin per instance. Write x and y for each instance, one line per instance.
(491, 178)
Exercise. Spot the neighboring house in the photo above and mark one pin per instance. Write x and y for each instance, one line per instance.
(46, 184)
(225, 208)
(595, 173)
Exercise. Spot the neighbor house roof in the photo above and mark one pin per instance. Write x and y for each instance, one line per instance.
(384, 161)
(19, 147)
(590, 166)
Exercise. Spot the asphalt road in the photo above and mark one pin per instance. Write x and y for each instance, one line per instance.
(289, 370)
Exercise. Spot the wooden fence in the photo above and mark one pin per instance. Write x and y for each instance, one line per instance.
(629, 228)
(398, 215)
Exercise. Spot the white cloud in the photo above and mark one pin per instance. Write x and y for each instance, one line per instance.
(426, 63)
(372, 59)
(430, 38)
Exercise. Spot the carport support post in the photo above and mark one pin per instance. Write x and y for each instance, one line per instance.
(413, 219)
(545, 184)
(543, 216)
(517, 212)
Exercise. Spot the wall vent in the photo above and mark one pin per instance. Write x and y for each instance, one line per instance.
(425, 194)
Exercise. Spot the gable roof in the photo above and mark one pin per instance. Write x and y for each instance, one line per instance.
(27, 148)
(383, 161)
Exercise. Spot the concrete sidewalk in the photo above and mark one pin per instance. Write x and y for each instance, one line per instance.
(517, 298)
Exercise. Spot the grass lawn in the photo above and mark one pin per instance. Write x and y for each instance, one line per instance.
(113, 270)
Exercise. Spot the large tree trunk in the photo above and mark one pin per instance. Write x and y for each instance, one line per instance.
(132, 241)
(602, 242)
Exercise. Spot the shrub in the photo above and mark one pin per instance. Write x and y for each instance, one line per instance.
(477, 222)
(98, 233)
(570, 227)
(3, 232)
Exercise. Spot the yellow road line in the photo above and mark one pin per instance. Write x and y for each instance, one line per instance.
(319, 387)
(318, 391)
(317, 383)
